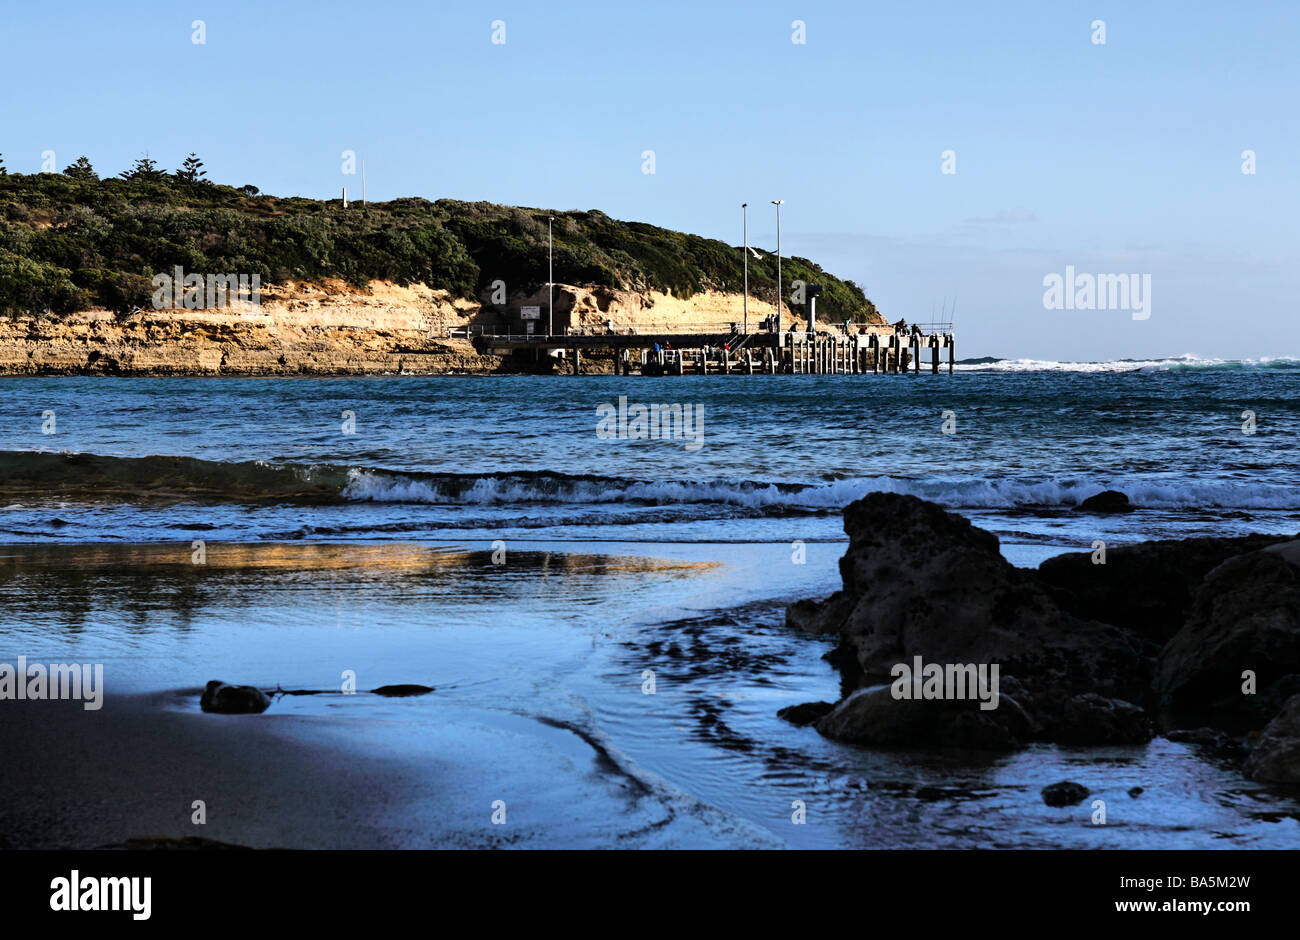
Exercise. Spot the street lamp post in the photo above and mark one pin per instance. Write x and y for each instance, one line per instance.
(777, 203)
(744, 206)
(550, 279)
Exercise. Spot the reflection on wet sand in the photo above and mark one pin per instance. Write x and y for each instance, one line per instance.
(65, 583)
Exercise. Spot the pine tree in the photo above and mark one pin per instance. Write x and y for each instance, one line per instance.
(145, 170)
(3, 171)
(192, 170)
(81, 170)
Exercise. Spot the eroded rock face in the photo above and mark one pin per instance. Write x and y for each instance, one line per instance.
(333, 328)
(1076, 643)
(1276, 757)
(922, 582)
(1244, 616)
(227, 699)
(1147, 587)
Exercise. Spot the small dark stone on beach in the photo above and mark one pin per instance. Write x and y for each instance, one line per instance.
(806, 713)
(1105, 502)
(233, 699)
(1135, 792)
(1065, 793)
(403, 691)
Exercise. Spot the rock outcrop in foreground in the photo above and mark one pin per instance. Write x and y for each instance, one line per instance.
(1081, 653)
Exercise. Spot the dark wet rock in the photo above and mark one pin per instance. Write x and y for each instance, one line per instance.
(805, 714)
(1091, 719)
(1214, 742)
(227, 699)
(875, 717)
(919, 581)
(1107, 501)
(1276, 757)
(403, 691)
(1244, 616)
(1065, 793)
(1135, 792)
(1202, 737)
(1147, 587)
(818, 616)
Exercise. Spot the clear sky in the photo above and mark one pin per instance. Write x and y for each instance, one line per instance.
(1122, 158)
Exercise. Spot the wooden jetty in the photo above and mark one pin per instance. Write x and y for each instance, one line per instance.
(852, 349)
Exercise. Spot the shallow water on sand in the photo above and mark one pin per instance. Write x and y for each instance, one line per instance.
(539, 667)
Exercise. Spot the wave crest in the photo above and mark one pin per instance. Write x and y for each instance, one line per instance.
(94, 477)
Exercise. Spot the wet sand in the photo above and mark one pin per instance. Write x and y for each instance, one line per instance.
(77, 779)
(318, 771)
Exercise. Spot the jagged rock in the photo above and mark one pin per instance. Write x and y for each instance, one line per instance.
(1245, 616)
(919, 581)
(805, 714)
(1107, 501)
(1095, 720)
(875, 717)
(1276, 757)
(1147, 587)
(233, 699)
(1065, 793)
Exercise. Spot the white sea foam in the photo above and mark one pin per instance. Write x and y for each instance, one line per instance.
(370, 486)
(1189, 362)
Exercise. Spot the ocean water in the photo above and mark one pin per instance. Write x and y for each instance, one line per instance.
(479, 535)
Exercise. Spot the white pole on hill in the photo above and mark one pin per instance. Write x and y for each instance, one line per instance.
(550, 278)
(744, 207)
(777, 203)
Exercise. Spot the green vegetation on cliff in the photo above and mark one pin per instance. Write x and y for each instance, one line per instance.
(72, 241)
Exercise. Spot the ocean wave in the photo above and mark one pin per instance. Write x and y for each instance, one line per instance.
(1171, 364)
(90, 477)
(829, 496)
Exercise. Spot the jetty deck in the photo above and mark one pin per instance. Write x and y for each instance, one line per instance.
(872, 350)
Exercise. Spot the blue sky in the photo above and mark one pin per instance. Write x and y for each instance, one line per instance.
(1115, 158)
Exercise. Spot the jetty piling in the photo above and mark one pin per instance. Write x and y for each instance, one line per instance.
(874, 349)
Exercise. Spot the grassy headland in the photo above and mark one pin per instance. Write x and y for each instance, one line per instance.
(71, 241)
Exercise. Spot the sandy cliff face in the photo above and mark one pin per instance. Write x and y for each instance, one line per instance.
(335, 329)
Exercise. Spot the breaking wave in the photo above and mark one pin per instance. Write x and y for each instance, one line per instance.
(1172, 364)
(95, 478)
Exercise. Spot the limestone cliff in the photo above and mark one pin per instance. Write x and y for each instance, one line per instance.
(331, 328)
